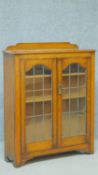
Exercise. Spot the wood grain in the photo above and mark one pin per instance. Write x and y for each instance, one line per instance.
(9, 107)
(19, 59)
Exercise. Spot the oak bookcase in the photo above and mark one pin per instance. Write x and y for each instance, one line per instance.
(48, 100)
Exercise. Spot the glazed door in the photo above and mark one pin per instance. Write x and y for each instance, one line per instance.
(73, 101)
(38, 110)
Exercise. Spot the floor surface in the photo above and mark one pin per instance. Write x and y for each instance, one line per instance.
(63, 164)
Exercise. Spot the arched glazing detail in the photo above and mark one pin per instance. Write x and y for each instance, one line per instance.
(38, 93)
(74, 100)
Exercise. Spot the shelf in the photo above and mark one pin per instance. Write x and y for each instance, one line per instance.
(74, 74)
(74, 114)
(73, 96)
(81, 112)
(36, 116)
(48, 98)
(49, 76)
(38, 90)
(37, 76)
(38, 99)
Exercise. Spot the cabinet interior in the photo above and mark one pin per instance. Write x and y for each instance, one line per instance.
(38, 94)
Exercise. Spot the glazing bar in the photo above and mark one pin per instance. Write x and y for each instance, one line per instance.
(43, 120)
(69, 117)
(51, 107)
(34, 120)
(78, 102)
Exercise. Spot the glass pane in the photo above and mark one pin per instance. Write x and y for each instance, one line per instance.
(74, 101)
(38, 92)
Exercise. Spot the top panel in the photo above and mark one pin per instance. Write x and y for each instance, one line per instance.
(30, 48)
(21, 47)
(33, 46)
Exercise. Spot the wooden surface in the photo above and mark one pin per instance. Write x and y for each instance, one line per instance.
(56, 56)
(51, 45)
(9, 107)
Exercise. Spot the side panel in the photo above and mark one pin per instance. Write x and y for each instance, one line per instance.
(9, 106)
(92, 104)
(18, 136)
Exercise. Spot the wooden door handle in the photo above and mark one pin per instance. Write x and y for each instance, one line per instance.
(60, 89)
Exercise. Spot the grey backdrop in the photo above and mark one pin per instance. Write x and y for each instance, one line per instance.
(48, 20)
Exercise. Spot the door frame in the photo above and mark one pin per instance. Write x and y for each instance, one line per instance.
(61, 64)
(41, 145)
